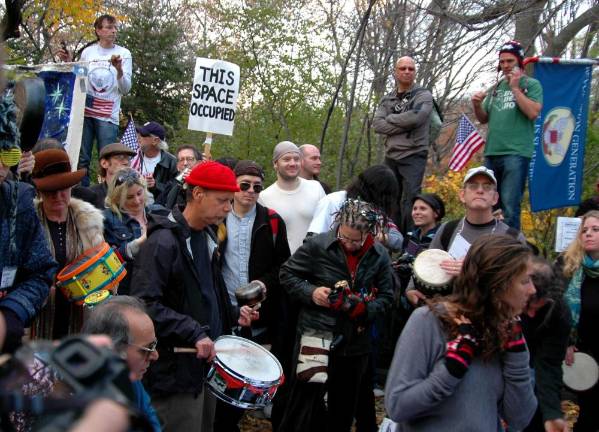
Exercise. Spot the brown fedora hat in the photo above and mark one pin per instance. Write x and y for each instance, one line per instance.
(52, 171)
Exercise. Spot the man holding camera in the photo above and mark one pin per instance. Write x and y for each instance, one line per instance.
(510, 109)
(125, 320)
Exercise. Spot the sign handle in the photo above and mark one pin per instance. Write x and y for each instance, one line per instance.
(207, 144)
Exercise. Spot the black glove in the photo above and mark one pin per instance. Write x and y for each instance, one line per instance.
(460, 351)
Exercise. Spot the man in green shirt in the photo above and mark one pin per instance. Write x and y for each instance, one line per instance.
(510, 108)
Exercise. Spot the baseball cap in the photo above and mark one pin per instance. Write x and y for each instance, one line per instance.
(152, 128)
(481, 170)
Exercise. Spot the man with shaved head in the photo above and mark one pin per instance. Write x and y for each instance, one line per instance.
(311, 165)
(403, 118)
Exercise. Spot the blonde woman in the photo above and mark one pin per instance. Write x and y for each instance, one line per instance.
(126, 217)
(581, 268)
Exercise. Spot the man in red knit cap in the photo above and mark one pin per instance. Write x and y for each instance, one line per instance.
(178, 277)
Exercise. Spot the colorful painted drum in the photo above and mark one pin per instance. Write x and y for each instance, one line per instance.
(98, 268)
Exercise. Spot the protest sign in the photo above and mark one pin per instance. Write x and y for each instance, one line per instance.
(566, 231)
(214, 96)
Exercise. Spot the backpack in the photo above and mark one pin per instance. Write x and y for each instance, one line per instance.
(452, 225)
(436, 116)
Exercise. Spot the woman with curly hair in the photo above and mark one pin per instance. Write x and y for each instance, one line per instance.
(581, 268)
(461, 363)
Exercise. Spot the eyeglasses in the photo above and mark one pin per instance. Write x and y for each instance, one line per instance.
(344, 239)
(129, 176)
(406, 68)
(147, 350)
(487, 187)
(245, 186)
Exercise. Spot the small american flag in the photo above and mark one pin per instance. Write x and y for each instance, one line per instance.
(129, 139)
(467, 142)
(98, 108)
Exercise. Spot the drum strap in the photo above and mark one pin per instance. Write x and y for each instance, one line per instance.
(274, 224)
(452, 225)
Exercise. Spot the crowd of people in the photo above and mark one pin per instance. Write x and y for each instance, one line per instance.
(341, 297)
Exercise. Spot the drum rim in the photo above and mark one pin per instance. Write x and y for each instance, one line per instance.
(108, 285)
(102, 249)
(581, 354)
(237, 375)
(229, 399)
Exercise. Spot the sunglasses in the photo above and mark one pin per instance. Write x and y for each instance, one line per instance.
(130, 176)
(245, 186)
(147, 350)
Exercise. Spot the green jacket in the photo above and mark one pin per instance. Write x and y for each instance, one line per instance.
(320, 261)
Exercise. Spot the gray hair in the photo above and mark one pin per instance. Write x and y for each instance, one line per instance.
(109, 318)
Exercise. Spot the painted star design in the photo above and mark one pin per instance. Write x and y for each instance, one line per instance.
(61, 108)
(56, 95)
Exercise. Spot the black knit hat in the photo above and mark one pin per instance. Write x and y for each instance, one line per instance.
(434, 201)
(248, 167)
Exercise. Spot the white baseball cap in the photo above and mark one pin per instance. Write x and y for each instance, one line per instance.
(481, 170)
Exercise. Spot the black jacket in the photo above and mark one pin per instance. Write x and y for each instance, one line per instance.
(166, 278)
(547, 339)
(268, 251)
(320, 261)
(165, 171)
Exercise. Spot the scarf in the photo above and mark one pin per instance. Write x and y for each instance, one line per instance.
(589, 268)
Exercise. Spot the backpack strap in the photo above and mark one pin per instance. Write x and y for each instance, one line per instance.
(512, 232)
(448, 231)
(273, 220)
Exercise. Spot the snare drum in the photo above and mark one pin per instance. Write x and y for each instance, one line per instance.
(244, 374)
(583, 374)
(98, 268)
(429, 277)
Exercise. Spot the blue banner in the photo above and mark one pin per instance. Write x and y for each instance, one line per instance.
(555, 175)
(59, 97)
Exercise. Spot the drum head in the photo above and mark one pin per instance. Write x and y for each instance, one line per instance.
(583, 374)
(427, 267)
(247, 359)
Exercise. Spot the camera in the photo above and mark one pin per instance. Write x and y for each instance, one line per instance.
(50, 386)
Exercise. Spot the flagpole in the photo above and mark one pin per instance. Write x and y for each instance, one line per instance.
(207, 144)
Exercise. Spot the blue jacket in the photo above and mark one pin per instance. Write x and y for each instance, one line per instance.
(144, 405)
(22, 301)
(119, 232)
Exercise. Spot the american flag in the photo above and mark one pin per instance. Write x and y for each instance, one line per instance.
(129, 139)
(467, 142)
(98, 108)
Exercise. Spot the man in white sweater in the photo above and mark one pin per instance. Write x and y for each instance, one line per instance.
(109, 78)
(291, 196)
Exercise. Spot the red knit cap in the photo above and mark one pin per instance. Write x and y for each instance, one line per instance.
(214, 176)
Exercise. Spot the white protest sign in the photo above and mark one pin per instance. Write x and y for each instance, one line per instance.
(214, 96)
(567, 228)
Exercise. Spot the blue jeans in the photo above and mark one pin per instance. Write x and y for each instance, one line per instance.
(511, 172)
(103, 132)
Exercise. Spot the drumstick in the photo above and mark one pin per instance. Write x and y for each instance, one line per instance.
(185, 350)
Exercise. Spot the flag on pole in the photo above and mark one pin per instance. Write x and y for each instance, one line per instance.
(467, 142)
(129, 139)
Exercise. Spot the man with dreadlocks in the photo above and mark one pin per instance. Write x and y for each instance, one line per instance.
(341, 280)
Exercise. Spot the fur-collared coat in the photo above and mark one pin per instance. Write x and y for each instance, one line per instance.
(85, 229)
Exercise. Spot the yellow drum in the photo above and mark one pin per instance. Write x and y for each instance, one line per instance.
(98, 268)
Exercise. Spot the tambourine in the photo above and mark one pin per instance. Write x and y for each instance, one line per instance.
(583, 374)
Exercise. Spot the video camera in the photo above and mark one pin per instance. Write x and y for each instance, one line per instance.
(79, 372)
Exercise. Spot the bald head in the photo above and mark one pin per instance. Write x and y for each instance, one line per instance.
(405, 73)
(310, 161)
